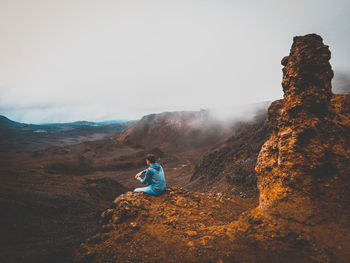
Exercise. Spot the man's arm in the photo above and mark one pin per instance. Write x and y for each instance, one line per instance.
(137, 176)
(147, 177)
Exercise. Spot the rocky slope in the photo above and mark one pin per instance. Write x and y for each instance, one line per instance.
(229, 167)
(51, 199)
(302, 170)
(45, 217)
(218, 155)
(178, 226)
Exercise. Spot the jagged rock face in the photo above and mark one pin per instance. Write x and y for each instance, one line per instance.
(304, 167)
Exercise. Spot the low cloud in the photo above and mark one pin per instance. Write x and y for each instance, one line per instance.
(341, 82)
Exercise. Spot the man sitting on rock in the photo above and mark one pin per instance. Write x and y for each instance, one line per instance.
(154, 177)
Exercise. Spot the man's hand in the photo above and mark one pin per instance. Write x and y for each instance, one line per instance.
(137, 177)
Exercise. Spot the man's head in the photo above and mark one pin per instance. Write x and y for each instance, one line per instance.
(150, 159)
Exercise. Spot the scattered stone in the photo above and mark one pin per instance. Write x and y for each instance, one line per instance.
(191, 233)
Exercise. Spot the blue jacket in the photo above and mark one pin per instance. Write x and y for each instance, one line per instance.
(154, 177)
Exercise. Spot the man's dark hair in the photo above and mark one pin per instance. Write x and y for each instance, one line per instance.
(151, 158)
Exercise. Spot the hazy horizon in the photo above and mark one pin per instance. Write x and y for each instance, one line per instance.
(65, 61)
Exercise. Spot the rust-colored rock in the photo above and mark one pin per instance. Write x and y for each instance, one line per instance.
(303, 176)
(304, 167)
(177, 226)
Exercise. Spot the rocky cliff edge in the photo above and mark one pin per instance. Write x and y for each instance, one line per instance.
(303, 178)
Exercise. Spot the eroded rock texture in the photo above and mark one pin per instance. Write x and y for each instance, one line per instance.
(304, 167)
(177, 226)
(303, 177)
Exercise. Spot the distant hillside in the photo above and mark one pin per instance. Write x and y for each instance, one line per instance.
(85, 123)
(15, 136)
(6, 122)
(177, 131)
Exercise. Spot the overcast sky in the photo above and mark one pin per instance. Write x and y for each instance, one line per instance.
(68, 60)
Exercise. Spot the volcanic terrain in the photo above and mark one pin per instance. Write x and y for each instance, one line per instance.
(274, 188)
(303, 179)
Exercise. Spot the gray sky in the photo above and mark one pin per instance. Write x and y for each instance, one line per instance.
(68, 60)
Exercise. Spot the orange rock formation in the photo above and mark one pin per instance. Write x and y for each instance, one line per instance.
(303, 177)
